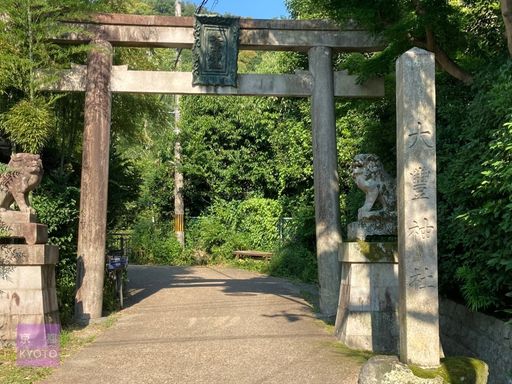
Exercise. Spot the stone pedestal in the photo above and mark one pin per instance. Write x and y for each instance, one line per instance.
(359, 230)
(367, 316)
(28, 293)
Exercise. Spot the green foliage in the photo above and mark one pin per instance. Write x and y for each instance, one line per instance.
(219, 134)
(236, 225)
(296, 257)
(248, 161)
(57, 206)
(295, 261)
(157, 185)
(25, 50)
(482, 25)
(475, 191)
(473, 125)
(123, 188)
(29, 123)
(12, 373)
(259, 217)
(155, 243)
(25, 29)
(463, 34)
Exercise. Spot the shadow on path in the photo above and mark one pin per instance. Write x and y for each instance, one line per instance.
(211, 325)
(145, 281)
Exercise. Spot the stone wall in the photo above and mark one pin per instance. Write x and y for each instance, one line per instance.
(473, 334)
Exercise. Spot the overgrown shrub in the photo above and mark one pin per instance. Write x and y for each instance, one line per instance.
(156, 243)
(475, 185)
(296, 257)
(294, 261)
(57, 206)
(236, 225)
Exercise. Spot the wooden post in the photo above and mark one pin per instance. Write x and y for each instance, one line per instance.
(94, 184)
(327, 207)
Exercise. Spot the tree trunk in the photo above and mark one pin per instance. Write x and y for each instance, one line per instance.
(506, 11)
(444, 61)
(450, 66)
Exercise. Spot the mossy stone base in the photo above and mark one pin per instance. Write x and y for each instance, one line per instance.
(368, 252)
(367, 316)
(457, 370)
(453, 370)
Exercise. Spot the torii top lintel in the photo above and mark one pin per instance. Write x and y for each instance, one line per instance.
(255, 34)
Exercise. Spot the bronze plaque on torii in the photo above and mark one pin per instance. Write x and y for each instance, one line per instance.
(215, 50)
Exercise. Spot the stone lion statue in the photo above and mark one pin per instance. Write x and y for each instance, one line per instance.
(374, 181)
(25, 172)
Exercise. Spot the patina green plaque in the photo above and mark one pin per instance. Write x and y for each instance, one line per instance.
(215, 50)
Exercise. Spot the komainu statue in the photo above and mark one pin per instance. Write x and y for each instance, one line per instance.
(379, 187)
(374, 181)
(24, 173)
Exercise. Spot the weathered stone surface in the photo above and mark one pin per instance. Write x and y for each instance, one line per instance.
(28, 292)
(146, 31)
(21, 254)
(253, 84)
(33, 233)
(388, 370)
(467, 333)
(367, 316)
(379, 188)
(374, 226)
(327, 212)
(25, 171)
(9, 323)
(9, 217)
(417, 215)
(366, 252)
(27, 295)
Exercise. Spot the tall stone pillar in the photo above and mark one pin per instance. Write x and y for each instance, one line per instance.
(417, 211)
(94, 183)
(327, 211)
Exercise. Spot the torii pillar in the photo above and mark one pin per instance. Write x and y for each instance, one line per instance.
(326, 183)
(94, 184)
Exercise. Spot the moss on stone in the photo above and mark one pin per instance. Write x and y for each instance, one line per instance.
(456, 370)
(360, 356)
(375, 252)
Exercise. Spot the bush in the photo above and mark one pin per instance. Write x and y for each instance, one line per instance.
(236, 225)
(57, 207)
(295, 261)
(156, 243)
(296, 258)
(255, 224)
(475, 208)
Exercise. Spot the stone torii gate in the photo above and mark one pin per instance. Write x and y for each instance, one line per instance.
(99, 78)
